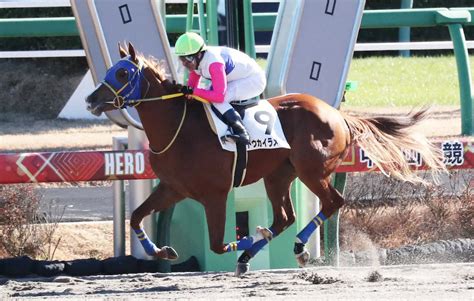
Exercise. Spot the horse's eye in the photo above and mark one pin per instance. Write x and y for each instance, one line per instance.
(122, 74)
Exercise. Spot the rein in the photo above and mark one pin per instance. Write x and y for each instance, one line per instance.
(175, 135)
(120, 102)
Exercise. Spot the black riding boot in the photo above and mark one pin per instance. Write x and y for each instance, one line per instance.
(233, 120)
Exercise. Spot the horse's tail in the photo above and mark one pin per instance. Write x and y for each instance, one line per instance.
(387, 139)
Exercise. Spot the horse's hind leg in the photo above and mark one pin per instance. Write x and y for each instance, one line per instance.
(277, 186)
(331, 200)
(160, 199)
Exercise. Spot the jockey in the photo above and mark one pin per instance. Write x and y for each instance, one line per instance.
(235, 78)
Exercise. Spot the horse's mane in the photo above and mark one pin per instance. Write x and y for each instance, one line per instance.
(157, 66)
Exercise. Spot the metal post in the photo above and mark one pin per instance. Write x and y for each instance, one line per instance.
(331, 226)
(202, 21)
(404, 32)
(212, 26)
(248, 28)
(119, 143)
(189, 15)
(465, 80)
(231, 24)
(139, 191)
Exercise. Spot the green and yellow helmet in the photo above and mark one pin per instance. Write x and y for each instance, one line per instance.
(189, 43)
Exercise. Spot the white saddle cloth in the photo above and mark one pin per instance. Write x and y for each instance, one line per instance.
(262, 123)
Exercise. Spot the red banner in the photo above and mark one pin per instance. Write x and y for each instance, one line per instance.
(458, 154)
(74, 166)
(130, 165)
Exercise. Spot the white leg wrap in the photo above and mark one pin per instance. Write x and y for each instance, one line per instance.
(257, 237)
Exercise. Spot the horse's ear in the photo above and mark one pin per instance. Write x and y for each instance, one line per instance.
(122, 51)
(131, 51)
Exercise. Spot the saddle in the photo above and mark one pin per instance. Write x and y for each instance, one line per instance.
(263, 125)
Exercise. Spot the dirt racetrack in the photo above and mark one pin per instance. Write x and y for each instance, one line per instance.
(404, 282)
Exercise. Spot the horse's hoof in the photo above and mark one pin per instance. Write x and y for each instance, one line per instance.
(265, 232)
(241, 269)
(167, 253)
(302, 258)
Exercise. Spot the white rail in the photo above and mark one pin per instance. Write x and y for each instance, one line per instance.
(33, 3)
(41, 54)
(66, 3)
(440, 45)
(435, 45)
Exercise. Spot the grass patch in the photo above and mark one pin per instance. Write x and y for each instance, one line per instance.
(398, 81)
(403, 82)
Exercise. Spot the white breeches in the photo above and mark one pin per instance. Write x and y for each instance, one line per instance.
(242, 89)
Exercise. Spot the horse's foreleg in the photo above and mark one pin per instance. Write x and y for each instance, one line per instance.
(215, 215)
(331, 200)
(243, 264)
(161, 198)
(248, 241)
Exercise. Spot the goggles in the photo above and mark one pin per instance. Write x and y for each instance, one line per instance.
(187, 58)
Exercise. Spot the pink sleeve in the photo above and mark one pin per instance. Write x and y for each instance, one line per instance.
(193, 79)
(219, 84)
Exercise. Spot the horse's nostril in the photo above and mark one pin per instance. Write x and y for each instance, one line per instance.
(91, 99)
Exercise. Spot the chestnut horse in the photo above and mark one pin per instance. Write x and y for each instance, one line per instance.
(187, 158)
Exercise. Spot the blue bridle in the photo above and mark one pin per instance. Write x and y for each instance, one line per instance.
(129, 93)
(125, 94)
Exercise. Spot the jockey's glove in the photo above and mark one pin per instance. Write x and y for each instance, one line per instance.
(186, 90)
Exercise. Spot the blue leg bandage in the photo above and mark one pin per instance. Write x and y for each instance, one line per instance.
(150, 248)
(260, 244)
(242, 244)
(304, 235)
(247, 242)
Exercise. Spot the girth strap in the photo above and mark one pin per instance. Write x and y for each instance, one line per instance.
(240, 164)
(240, 167)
